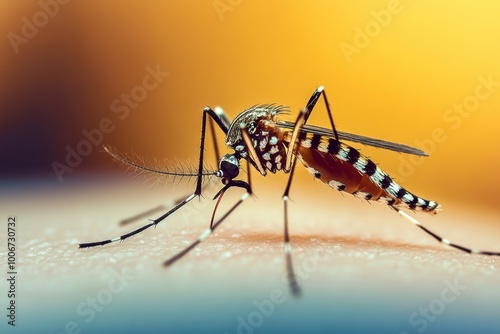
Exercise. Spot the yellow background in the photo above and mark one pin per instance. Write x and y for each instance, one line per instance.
(424, 58)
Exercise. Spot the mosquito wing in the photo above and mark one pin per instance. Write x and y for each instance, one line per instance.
(356, 138)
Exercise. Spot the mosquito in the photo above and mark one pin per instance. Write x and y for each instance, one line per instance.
(258, 136)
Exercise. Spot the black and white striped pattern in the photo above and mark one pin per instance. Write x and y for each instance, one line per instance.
(271, 152)
(443, 240)
(398, 196)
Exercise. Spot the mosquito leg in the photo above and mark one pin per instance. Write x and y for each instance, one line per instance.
(222, 117)
(218, 117)
(292, 279)
(139, 230)
(302, 119)
(144, 214)
(293, 147)
(197, 192)
(160, 207)
(249, 179)
(254, 158)
(312, 102)
(443, 240)
(219, 113)
(290, 166)
(212, 227)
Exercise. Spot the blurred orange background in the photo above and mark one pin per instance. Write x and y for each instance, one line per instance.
(393, 70)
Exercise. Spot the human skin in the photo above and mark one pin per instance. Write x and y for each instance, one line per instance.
(349, 256)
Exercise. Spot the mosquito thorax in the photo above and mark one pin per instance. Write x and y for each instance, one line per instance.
(229, 166)
(259, 122)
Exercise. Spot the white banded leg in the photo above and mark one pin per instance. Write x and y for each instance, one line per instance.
(443, 240)
(290, 166)
(139, 230)
(221, 122)
(292, 278)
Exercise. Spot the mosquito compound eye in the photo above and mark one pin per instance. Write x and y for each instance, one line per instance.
(230, 166)
(230, 171)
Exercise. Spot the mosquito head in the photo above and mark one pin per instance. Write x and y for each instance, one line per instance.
(229, 165)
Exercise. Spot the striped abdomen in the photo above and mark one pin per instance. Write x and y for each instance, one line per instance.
(345, 169)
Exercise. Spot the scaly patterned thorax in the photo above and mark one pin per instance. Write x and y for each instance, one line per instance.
(268, 144)
(266, 136)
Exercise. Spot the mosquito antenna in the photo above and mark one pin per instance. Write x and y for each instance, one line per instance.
(139, 166)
